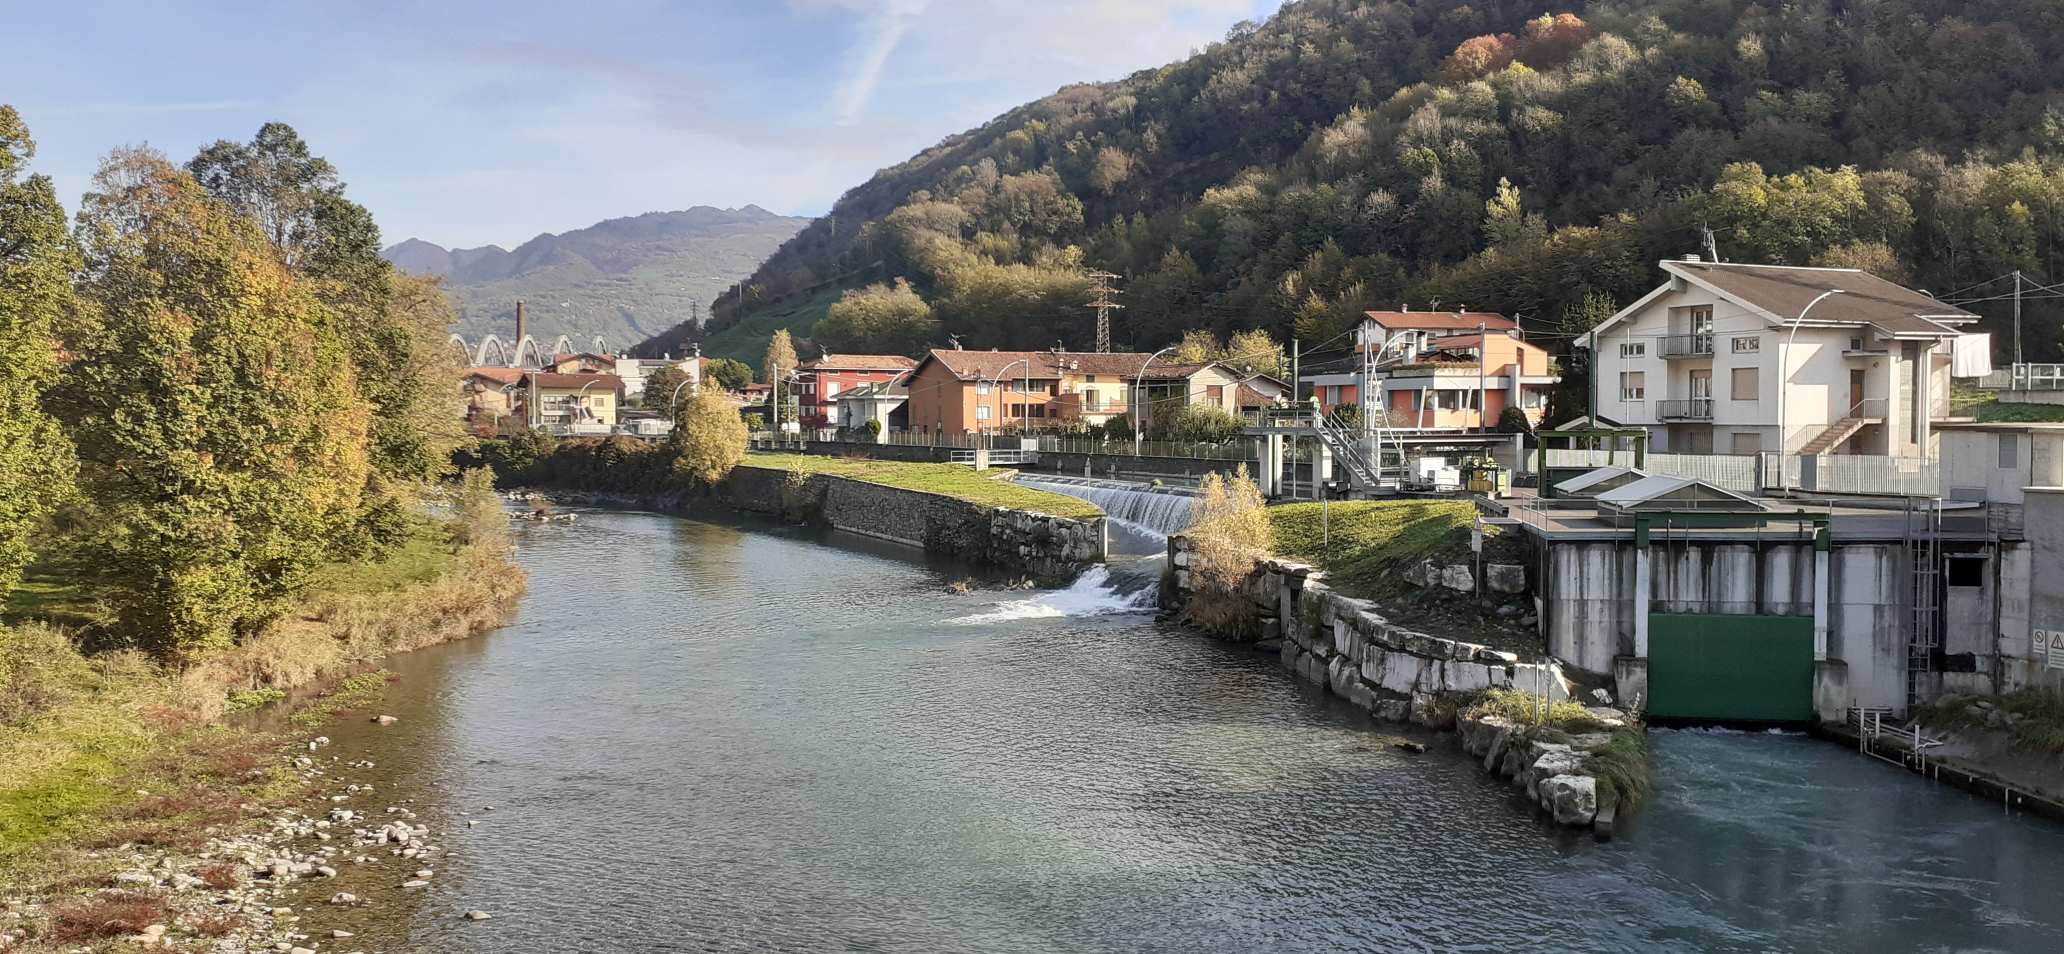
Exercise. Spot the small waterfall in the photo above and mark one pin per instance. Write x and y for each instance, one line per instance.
(1152, 511)
(1092, 594)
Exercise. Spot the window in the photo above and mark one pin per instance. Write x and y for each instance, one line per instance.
(1701, 317)
(1633, 349)
(982, 413)
(1745, 385)
(1090, 378)
(1633, 386)
(1856, 344)
(982, 387)
(1745, 443)
(1967, 571)
(2009, 451)
(1215, 393)
(1748, 344)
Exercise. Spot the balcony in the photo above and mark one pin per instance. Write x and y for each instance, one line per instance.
(1688, 346)
(1688, 409)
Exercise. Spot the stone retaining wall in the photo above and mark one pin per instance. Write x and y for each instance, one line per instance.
(1052, 549)
(1395, 673)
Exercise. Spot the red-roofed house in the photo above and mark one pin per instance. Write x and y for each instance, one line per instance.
(1419, 328)
(491, 394)
(958, 392)
(572, 403)
(820, 382)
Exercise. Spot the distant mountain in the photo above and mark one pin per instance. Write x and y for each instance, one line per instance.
(624, 279)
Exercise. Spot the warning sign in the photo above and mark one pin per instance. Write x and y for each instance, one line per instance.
(2050, 643)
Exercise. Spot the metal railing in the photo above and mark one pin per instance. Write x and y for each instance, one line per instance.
(1685, 409)
(2025, 377)
(1869, 409)
(1688, 346)
(1860, 474)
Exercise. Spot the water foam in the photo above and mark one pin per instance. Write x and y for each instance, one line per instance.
(1092, 594)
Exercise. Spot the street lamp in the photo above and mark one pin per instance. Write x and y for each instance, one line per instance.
(1784, 384)
(1139, 403)
(995, 381)
(578, 397)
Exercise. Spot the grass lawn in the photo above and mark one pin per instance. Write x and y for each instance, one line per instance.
(948, 480)
(1988, 409)
(1372, 541)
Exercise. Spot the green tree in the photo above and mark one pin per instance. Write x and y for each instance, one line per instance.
(395, 326)
(215, 408)
(37, 259)
(1196, 347)
(781, 357)
(709, 438)
(890, 319)
(660, 386)
(730, 374)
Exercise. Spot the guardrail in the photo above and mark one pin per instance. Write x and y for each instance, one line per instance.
(1686, 409)
(1860, 474)
(1687, 346)
(2025, 377)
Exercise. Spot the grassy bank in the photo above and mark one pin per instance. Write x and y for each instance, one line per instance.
(1366, 546)
(989, 489)
(112, 748)
(1620, 764)
(1989, 409)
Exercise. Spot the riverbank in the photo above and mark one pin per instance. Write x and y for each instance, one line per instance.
(132, 793)
(1513, 708)
(945, 509)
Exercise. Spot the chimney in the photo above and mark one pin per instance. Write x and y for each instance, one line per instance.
(519, 330)
(1405, 309)
(1691, 258)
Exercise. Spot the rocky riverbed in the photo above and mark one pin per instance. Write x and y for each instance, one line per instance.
(337, 854)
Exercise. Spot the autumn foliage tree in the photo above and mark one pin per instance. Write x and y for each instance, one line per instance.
(709, 438)
(216, 411)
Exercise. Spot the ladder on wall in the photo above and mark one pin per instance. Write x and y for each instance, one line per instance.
(1924, 562)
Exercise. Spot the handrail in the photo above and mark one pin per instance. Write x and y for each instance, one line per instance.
(1867, 408)
(1697, 409)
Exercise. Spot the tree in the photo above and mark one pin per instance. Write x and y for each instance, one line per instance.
(730, 374)
(709, 438)
(214, 404)
(781, 357)
(1196, 347)
(37, 259)
(660, 386)
(1256, 351)
(879, 319)
(1201, 423)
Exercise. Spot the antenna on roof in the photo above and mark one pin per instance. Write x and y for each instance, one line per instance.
(953, 340)
(1712, 247)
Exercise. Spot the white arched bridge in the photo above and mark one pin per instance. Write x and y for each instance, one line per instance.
(529, 352)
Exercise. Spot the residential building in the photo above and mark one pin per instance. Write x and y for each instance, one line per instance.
(1724, 358)
(583, 362)
(572, 403)
(491, 398)
(957, 392)
(635, 371)
(1402, 334)
(1425, 378)
(887, 403)
(819, 382)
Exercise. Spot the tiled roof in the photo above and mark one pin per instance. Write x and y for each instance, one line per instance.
(1866, 300)
(553, 379)
(1048, 365)
(1440, 320)
(503, 376)
(860, 362)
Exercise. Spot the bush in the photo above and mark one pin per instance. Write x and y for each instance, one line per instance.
(1229, 534)
(709, 439)
(1201, 423)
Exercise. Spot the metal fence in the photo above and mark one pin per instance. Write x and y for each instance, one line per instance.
(2025, 377)
(1829, 473)
(1238, 450)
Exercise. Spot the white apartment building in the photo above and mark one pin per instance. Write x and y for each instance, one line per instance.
(1739, 359)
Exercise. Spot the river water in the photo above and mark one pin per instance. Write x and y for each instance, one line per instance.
(717, 738)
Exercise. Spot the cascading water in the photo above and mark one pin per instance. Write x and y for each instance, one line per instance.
(1152, 512)
(1094, 593)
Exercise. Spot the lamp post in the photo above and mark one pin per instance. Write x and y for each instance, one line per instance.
(1784, 384)
(578, 397)
(1139, 400)
(998, 379)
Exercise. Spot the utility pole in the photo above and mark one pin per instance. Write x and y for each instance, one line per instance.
(695, 313)
(1296, 358)
(1483, 396)
(1103, 304)
(2017, 316)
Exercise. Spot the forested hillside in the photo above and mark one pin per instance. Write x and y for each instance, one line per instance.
(625, 279)
(1526, 157)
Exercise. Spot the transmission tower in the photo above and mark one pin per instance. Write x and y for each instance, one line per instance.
(1103, 304)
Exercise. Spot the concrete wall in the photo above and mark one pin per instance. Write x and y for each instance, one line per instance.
(2045, 588)
(1587, 601)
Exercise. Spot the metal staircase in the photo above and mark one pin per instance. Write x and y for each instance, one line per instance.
(1864, 412)
(1342, 442)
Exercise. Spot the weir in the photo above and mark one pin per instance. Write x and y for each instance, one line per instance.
(1153, 512)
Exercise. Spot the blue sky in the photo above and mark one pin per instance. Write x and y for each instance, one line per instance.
(468, 123)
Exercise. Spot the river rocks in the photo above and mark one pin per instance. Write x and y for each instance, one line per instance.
(1570, 799)
(1457, 577)
(477, 915)
(384, 720)
(1505, 577)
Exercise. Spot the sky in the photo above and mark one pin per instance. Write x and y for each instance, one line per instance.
(468, 123)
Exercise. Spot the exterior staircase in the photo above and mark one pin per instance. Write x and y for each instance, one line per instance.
(1833, 436)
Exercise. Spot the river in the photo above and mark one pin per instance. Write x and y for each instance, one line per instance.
(701, 737)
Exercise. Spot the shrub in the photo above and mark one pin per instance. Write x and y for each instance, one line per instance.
(709, 438)
(1528, 709)
(105, 915)
(1229, 534)
(1202, 423)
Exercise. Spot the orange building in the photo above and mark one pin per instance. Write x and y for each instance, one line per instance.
(1465, 381)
